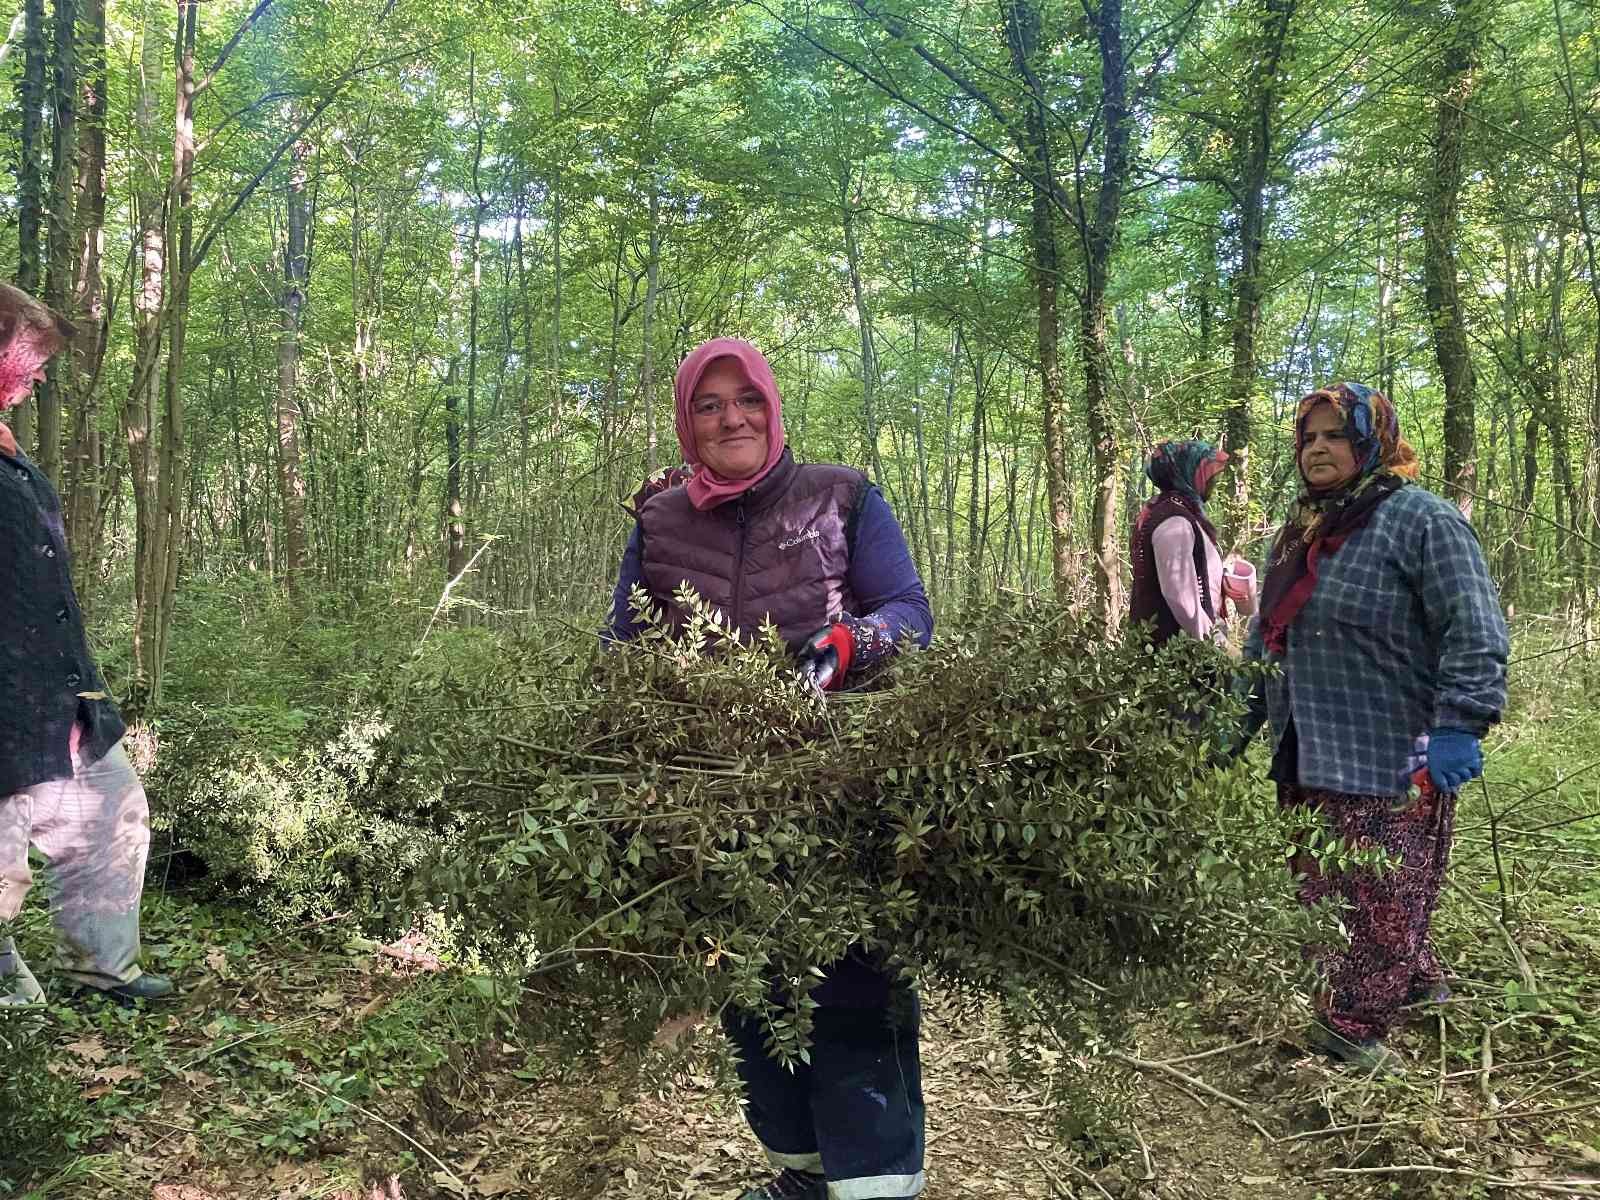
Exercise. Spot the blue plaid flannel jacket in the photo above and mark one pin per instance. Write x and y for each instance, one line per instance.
(1402, 634)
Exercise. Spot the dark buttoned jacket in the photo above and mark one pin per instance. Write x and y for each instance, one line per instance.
(48, 677)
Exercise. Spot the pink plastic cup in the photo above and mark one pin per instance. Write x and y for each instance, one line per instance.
(1239, 580)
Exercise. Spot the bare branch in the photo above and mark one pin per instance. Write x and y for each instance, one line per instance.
(233, 44)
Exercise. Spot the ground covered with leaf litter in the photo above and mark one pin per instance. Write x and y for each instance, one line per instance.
(317, 1065)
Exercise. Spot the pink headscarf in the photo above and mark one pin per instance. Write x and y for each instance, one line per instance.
(706, 488)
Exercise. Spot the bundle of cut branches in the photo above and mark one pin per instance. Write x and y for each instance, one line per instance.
(1024, 808)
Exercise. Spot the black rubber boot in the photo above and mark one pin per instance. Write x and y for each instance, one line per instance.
(790, 1184)
(1367, 1055)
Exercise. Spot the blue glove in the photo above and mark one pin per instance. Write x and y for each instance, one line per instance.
(1454, 757)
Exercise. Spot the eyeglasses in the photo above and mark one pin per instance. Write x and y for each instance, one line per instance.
(749, 405)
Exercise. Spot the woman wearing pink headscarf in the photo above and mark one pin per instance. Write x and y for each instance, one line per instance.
(815, 550)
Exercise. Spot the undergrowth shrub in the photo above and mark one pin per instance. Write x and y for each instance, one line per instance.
(267, 766)
(42, 1117)
(331, 827)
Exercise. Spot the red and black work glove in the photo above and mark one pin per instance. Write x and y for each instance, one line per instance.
(825, 656)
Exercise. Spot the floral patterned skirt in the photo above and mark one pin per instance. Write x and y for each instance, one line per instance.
(1387, 913)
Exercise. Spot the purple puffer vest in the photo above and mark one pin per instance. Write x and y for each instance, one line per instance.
(1145, 599)
(779, 552)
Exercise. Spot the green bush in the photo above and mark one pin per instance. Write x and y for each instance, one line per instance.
(41, 1114)
(272, 772)
(328, 828)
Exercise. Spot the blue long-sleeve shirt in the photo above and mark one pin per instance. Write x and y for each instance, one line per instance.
(881, 576)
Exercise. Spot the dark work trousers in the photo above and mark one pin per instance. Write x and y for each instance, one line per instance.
(854, 1113)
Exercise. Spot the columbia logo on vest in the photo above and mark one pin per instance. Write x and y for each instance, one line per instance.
(809, 535)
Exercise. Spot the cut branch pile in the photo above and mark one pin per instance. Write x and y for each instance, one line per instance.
(1026, 809)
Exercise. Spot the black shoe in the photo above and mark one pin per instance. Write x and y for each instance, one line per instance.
(145, 987)
(790, 1184)
(1368, 1055)
(1429, 993)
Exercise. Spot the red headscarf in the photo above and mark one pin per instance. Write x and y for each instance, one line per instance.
(706, 488)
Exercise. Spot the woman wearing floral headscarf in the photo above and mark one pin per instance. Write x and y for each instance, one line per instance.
(1181, 582)
(1379, 612)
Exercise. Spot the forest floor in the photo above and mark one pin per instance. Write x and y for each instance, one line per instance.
(313, 1066)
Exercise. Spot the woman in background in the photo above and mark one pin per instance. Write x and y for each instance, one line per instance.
(1181, 582)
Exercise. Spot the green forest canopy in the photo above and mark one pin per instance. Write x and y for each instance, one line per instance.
(372, 291)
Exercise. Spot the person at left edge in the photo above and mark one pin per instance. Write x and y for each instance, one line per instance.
(815, 549)
(66, 785)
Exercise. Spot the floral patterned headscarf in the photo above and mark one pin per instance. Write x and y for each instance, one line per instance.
(1320, 522)
(1371, 424)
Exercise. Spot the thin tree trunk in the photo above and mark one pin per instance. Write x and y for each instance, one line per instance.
(58, 279)
(171, 493)
(1384, 314)
(924, 521)
(1023, 25)
(296, 276)
(652, 289)
(473, 496)
(1106, 530)
(361, 352)
(1572, 89)
(88, 302)
(557, 441)
(456, 529)
(1441, 227)
(30, 178)
(525, 529)
(975, 496)
(869, 350)
(138, 416)
(1257, 144)
(952, 469)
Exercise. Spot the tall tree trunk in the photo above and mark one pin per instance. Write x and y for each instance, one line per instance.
(1256, 147)
(652, 290)
(58, 281)
(30, 177)
(924, 520)
(456, 529)
(525, 527)
(869, 349)
(1106, 531)
(171, 492)
(361, 354)
(1441, 225)
(976, 493)
(1581, 120)
(138, 415)
(1023, 26)
(296, 275)
(88, 301)
(473, 482)
(557, 440)
(951, 466)
(1384, 315)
